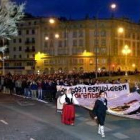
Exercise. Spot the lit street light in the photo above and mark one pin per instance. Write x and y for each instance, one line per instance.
(51, 21)
(120, 30)
(112, 6)
(56, 35)
(46, 38)
(126, 51)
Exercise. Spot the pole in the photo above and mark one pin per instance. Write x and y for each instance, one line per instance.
(3, 64)
(110, 50)
(96, 50)
(126, 65)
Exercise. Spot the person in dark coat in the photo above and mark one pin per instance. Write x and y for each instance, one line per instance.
(99, 111)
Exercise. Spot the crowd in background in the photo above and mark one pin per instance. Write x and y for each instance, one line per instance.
(44, 86)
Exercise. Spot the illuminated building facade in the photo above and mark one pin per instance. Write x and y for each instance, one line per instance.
(71, 46)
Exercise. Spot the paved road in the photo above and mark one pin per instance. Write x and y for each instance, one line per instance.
(25, 119)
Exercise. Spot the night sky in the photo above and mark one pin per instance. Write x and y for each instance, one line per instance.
(77, 9)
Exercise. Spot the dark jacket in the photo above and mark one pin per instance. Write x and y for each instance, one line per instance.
(100, 107)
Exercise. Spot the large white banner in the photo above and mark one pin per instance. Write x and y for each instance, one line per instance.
(120, 100)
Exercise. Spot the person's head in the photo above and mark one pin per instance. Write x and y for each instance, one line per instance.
(102, 94)
(68, 90)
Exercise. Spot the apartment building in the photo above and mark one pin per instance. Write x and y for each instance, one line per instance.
(74, 46)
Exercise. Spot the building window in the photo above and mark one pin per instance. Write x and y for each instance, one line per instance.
(20, 40)
(18, 64)
(103, 33)
(51, 44)
(30, 63)
(14, 49)
(46, 44)
(6, 65)
(65, 43)
(74, 34)
(96, 42)
(80, 33)
(27, 32)
(60, 43)
(46, 62)
(20, 56)
(96, 33)
(15, 56)
(27, 41)
(97, 49)
(33, 40)
(81, 61)
(103, 42)
(65, 34)
(14, 40)
(19, 32)
(74, 42)
(104, 61)
(103, 50)
(80, 42)
(33, 31)
(133, 35)
(33, 55)
(20, 48)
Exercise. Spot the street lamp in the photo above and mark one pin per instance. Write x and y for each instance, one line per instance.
(46, 38)
(56, 36)
(51, 21)
(112, 6)
(134, 66)
(120, 30)
(126, 51)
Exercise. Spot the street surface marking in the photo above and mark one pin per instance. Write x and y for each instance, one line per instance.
(42, 101)
(25, 103)
(92, 123)
(32, 139)
(4, 122)
(120, 136)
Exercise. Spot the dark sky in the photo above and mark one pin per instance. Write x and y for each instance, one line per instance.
(77, 9)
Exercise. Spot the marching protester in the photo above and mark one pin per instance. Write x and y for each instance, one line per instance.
(68, 100)
(99, 111)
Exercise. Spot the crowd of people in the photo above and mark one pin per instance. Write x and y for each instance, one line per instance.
(44, 87)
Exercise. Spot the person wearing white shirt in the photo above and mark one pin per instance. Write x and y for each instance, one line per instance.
(68, 114)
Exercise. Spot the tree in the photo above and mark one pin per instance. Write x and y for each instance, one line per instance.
(10, 15)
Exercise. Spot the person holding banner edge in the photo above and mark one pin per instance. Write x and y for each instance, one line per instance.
(99, 112)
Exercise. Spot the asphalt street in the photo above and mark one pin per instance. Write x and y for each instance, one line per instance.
(26, 119)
